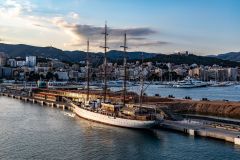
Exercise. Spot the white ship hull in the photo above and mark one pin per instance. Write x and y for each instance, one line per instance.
(115, 121)
(189, 86)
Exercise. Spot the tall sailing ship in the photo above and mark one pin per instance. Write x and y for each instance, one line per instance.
(117, 114)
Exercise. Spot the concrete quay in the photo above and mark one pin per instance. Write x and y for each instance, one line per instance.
(203, 130)
(42, 102)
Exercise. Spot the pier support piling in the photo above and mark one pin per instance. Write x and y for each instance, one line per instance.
(191, 132)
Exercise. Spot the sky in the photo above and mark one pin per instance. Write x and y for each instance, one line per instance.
(201, 27)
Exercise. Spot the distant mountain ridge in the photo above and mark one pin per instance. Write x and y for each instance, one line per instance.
(22, 50)
(232, 56)
(190, 59)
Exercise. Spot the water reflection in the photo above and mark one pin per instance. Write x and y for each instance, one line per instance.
(34, 132)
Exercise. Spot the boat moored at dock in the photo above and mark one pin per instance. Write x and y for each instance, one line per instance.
(189, 83)
(117, 114)
(119, 117)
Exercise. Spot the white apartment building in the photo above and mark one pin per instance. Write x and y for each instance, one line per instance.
(31, 61)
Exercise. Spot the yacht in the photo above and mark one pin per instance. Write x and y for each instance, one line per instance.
(189, 83)
(118, 83)
(116, 114)
(221, 84)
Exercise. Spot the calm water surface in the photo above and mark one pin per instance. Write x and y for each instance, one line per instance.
(34, 132)
(231, 93)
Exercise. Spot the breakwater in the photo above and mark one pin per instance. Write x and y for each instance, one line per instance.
(215, 108)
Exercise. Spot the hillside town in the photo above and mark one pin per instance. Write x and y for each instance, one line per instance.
(32, 68)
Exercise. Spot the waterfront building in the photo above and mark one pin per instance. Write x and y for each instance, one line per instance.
(31, 61)
(222, 75)
(21, 63)
(203, 74)
(42, 69)
(6, 72)
(131, 75)
(56, 64)
(195, 72)
(12, 62)
(82, 75)
(212, 74)
(232, 74)
(180, 71)
(75, 67)
(116, 72)
(82, 69)
(1, 75)
(62, 75)
(43, 64)
(159, 72)
(74, 75)
(3, 59)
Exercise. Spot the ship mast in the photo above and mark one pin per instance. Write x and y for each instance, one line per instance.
(88, 71)
(125, 69)
(142, 84)
(105, 47)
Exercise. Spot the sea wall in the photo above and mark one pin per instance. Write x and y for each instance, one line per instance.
(216, 108)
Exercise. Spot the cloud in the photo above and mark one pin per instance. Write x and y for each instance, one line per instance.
(92, 31)
(153, 43)
(74, 15)
(14, 8)
(20, 14)
(80, 33)
(137, 38)
(89, 30)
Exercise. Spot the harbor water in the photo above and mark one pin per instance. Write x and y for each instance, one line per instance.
(30, 131)
(231, 93)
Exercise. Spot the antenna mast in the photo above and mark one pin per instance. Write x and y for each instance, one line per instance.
(105, 47)
(125, 69)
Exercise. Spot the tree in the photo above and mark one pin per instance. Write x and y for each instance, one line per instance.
(49, 76)
(33, 76)
(56, 77)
